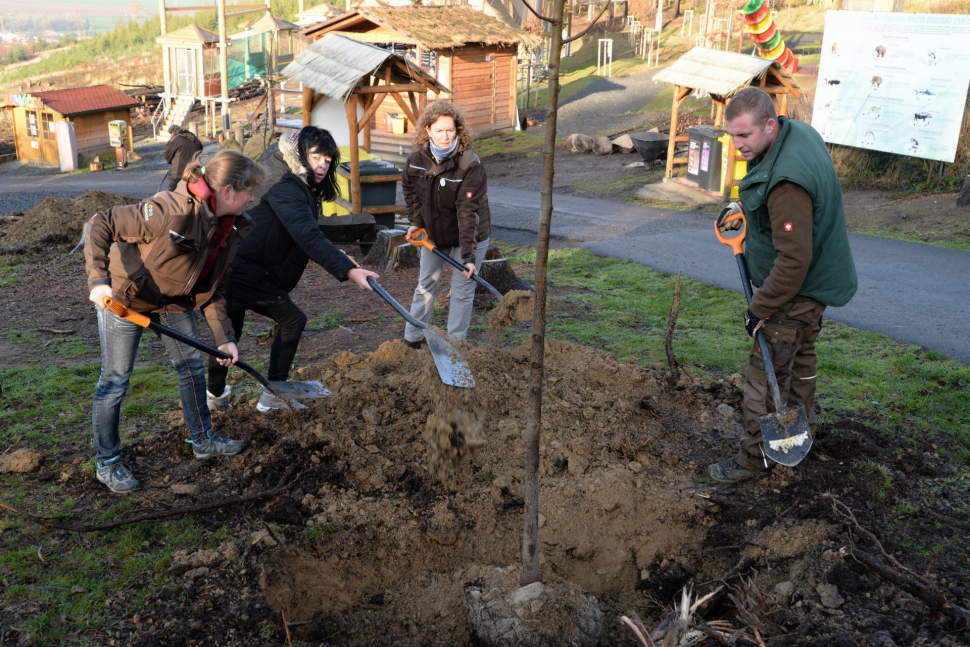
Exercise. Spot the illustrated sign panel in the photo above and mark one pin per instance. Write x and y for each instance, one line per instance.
(893, 82)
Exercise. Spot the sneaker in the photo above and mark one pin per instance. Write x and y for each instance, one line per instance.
(414, 344)
(269, 402)
(216, 445)
(220, 402)
(730, 472)
(116, 475)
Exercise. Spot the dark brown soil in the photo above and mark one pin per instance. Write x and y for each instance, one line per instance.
(59, 220)
(368, 546)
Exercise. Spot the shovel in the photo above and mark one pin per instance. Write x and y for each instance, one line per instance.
(786, 432)
(420, 239)
(145, 322)
(451, 367)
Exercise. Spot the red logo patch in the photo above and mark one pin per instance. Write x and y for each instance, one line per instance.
(468, 195)
(788, 226)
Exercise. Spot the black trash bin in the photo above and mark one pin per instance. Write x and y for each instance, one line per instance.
(709, 166)
(376, 194)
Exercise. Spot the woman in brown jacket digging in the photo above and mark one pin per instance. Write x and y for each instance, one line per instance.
(164, 258)
(445, 191)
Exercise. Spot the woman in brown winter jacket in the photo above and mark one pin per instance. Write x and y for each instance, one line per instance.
(445, 190)
(165, 257)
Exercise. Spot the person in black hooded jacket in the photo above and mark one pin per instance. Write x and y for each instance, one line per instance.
(183, 147)
(301, 171)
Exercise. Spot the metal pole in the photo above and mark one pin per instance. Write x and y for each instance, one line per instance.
(223, 62)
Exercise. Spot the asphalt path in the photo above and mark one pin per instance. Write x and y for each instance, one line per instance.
(915, 293)
(919, 294)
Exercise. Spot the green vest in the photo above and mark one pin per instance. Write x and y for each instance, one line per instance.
(799, 155)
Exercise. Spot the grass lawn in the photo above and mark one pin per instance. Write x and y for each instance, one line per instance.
(902, 389)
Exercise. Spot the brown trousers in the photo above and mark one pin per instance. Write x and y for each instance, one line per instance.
(791, 335)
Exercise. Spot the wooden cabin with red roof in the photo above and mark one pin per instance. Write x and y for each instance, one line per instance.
(90, 109)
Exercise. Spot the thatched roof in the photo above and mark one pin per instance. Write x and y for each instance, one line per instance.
(717, 72)
(430, 27)
(335, 64)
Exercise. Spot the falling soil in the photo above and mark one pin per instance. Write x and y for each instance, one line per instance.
(788, 419)
(60, 221)
(515, 307)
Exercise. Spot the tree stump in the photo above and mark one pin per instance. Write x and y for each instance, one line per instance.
(964, 198)
(383, 247)
(550, 613)
(406, 255)
(499, 273)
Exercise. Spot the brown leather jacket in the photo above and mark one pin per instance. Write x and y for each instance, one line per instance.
(448, 200)
(151, 254)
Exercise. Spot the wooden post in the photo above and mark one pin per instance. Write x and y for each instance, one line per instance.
(672, 141)
(162, 18)
(783, 107)
(364, 103)
(270, 108)
(351, 106)
(719, 118)
(729, 169)
(223, 59)
(307, 105)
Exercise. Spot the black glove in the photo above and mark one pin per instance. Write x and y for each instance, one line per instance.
(752, 323)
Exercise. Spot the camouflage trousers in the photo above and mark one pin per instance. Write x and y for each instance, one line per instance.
(791, 335)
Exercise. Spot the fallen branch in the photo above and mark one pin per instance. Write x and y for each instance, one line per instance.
(57, 331)
(174, 512)
(928, 593)
(674, 374)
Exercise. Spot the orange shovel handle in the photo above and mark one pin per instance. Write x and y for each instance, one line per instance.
(736, 243)
(420, 239)
(125, 313)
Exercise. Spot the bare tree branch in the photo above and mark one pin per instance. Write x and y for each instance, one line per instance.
(589, 26)
(540, 16)
(174, 512)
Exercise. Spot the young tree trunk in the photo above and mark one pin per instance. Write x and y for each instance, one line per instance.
(676, 8)
(530, 532)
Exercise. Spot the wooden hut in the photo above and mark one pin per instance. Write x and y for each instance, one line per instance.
(90, 109)
(344, 83)
(473, 54)
(721, 75)
(190, 68)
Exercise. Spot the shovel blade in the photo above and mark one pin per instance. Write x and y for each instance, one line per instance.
(300, 390)
(787, 438)
(451, 367)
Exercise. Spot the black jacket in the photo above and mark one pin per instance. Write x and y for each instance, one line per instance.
(179, 152)
(272, 259)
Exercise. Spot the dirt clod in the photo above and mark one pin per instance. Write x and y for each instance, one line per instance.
(515, 307)
(22, 461)
(60, 221)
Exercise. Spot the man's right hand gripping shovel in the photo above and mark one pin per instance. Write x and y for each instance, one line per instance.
(787, 439)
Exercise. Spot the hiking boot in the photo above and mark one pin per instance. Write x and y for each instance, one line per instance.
(730, 472)
(116, 475)
(414, 344)
(221, 402)
(216, 445)
(269, 402)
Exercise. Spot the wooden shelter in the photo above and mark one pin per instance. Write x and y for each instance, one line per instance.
(190, 67)
(473, 54)
(90, 109)
(361, 76)
(721, 75)
(262, 48)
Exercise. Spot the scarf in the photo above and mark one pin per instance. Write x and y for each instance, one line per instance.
(202, 191)
(441, 154)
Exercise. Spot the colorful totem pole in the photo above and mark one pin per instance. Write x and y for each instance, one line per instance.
(765, 33)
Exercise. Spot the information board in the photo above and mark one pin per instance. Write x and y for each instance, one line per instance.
(893, 82)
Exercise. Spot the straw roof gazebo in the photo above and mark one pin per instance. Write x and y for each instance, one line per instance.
(722, 75)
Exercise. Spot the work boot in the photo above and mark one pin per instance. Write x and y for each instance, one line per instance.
(216, 445)
(220, 402)
(116, 475)
(414, 344)
(730, 472)
(269, 402)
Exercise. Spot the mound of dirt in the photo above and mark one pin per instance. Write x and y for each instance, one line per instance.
(60, 221)
(515, 307)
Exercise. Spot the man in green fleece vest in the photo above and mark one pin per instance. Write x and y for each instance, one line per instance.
(797, 254)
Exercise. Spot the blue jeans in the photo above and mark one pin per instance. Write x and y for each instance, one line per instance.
(119, 345)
